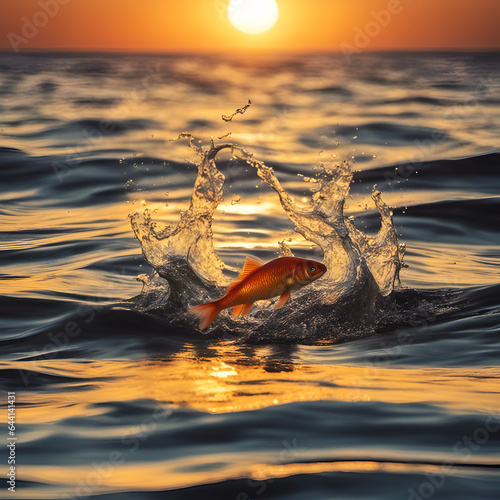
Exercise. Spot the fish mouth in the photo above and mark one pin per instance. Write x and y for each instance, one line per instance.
(322, 270)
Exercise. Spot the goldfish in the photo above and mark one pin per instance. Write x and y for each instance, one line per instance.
(259, 281)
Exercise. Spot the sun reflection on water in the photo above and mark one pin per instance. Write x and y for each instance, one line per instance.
(229, 378)
(223, 371)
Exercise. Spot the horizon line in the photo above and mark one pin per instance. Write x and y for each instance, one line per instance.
(5, 50)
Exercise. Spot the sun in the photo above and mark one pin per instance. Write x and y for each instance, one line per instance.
(253, 16)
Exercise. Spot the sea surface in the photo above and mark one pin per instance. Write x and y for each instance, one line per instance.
(115, 400)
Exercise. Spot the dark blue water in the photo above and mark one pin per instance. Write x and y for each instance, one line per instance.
(117, 398)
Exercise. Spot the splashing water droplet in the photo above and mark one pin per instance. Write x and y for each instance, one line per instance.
(284, 249)
(360, 268)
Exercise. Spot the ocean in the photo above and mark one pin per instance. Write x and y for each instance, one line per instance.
(131, 189)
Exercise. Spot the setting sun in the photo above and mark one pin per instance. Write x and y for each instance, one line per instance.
(253, 16)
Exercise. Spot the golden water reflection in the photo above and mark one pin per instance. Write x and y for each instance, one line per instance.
(229, 378)
(170, 474)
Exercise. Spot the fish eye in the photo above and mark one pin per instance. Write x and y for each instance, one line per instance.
(312, 269)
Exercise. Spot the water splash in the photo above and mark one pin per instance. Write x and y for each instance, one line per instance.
(352, 257)
(192, 238)
(362, 269)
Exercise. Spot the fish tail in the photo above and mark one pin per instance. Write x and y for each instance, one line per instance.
(206, 313)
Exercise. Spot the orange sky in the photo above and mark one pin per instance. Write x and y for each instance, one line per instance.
(201, 25)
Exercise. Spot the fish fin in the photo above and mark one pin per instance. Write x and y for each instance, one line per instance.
(237, 311)
(206, 313)
(283, 299)
(251, 264)
(246, 309)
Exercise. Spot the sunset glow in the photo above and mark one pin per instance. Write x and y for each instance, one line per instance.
(253, 16)
(209, 25)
